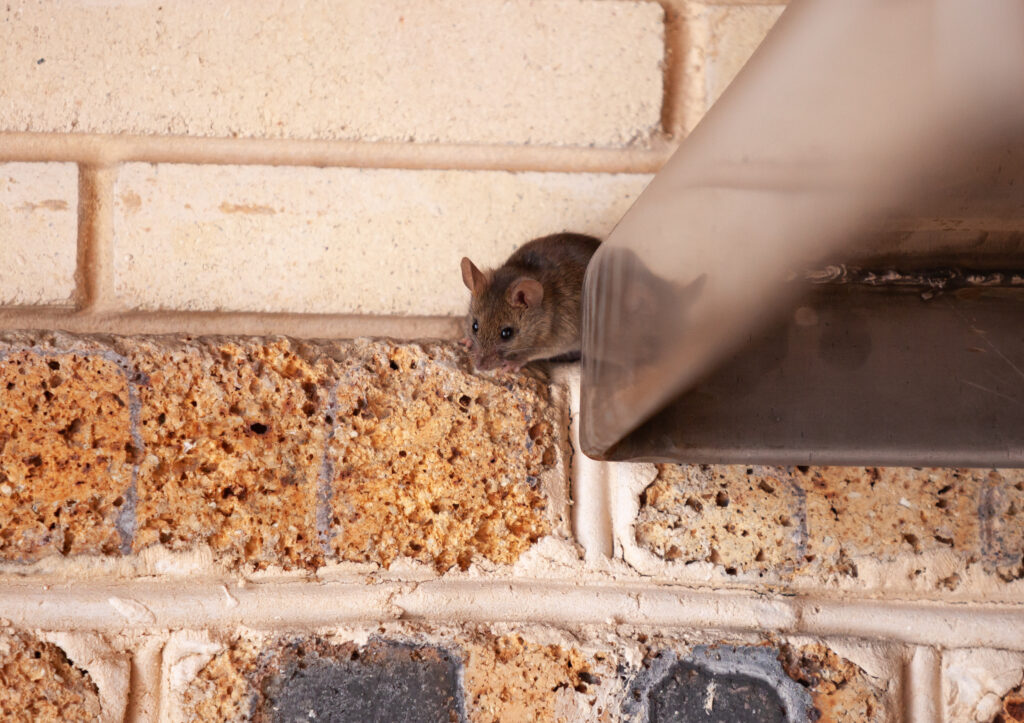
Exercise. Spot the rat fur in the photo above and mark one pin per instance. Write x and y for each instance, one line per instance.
(528, 308)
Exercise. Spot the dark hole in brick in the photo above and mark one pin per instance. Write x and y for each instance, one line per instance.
(765, 487)
(258, 427)
(945, 489)
(750, 470)
(10, 386)
(694, 505)
(911, 539)
(804, 469)
(464, 400)
(944, 540)
(1015, 708)
(722, 499)
(581, 687)
(72, 429)
(69, 539)
(161, 418)
(730, 571)
(53, 364)
(713, 557)
(589, 678)
(36, 654)
(118, 501)
(784, 520)
(164, 537)
(401, 453)
(759, 557)
(329, 419)
(48, 395)
(942, 504)
(392, 364)
(34, 461)
(308, 409)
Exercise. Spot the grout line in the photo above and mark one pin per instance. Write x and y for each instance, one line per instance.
(922, 690)
(95, 276)
(144, 688)
(307, 326)
(142, 605)
(85, 277)
(107, 150)
(673, 110)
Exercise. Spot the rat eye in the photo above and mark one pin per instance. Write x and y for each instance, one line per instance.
(507, 333)
(476, 326)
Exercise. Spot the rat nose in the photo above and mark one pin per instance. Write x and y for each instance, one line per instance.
(484, 362)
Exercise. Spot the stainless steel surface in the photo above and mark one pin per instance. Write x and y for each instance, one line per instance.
(858, 375)
(873, 130)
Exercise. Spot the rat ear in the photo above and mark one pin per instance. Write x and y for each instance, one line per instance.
(473, 277)
(526, 292)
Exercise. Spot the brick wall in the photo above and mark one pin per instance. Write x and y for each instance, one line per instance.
(245, 472)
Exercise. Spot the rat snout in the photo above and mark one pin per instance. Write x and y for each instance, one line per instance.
(485, 361)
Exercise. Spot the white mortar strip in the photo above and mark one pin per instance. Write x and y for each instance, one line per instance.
(181, 604)
(99, 149)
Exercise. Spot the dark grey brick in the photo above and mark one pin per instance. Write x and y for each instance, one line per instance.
(722, 684)
(385, 682)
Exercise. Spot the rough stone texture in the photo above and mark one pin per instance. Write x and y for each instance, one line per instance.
(840, 690)
(336, 240)
(1013, 707)
(310, 678)
(575, 72)
(433, 463)
(39, 230)
(720, 683)
(723, 515)
(509, 678)
(1002, 522)
(234, 436)
(39, 683)
(822, 520)
(720, 40)
(883, 512)
(272, 452)
(754, 683)
(982, 685)
(66, 454)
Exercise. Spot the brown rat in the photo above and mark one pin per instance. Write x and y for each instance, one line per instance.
(528, 308)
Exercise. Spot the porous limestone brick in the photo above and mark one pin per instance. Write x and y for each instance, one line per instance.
(511, 677)
(720, 40)
(336, 240)
(66, 454)
(821, 522)
(571, 72)
(272, 452)
(38, 231)
(234, 435)
(435, 464)
(39, 683)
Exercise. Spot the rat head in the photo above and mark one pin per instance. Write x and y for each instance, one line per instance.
(505, 322)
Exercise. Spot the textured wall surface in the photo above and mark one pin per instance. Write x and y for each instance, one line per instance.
(247, 473)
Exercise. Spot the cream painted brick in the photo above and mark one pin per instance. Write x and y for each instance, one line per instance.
(38, 232)
(562, 72)
(336, 240)
(721, 39)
